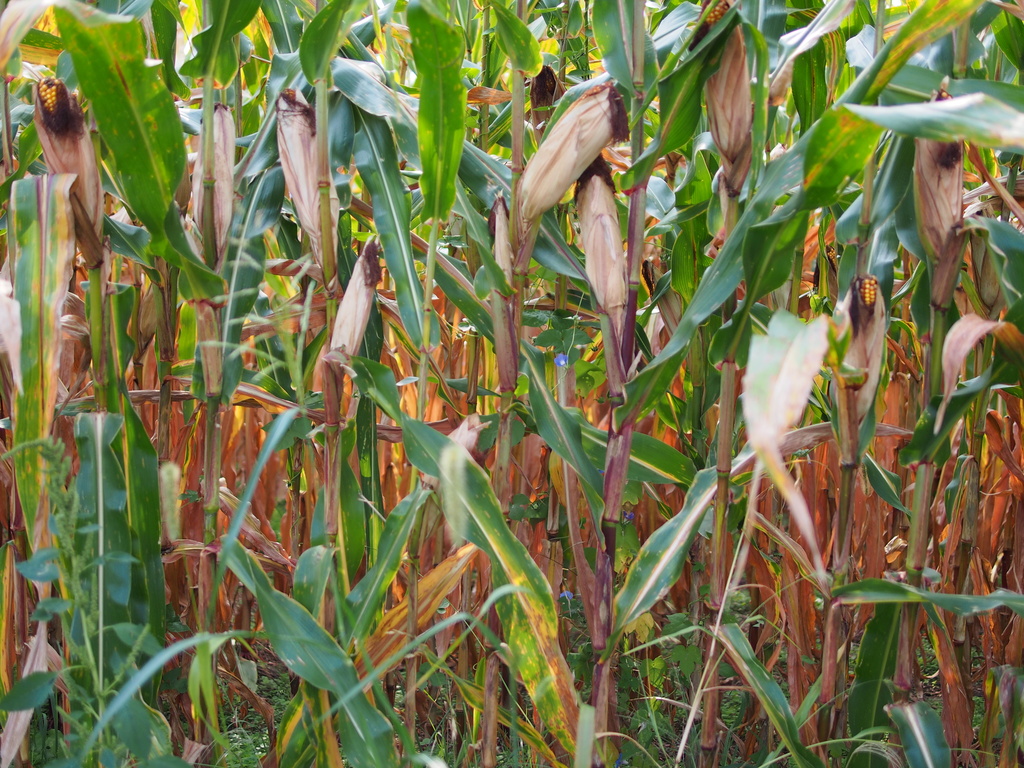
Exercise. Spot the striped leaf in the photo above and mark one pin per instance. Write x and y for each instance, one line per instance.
(769, 694)
(529, 616)
(42, 236)
(922, 736)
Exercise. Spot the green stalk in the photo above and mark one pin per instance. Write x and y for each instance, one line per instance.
(961, 46)
(412, 660)
(334, 375)
(99, 330)
(726, 424)
(166, 292)
(721, 551)
(618, 357)
(503, 456)
(962, 568)
(917, 553)
(412, 628)
(211, 445)
(864, 222)
(563, 41)
(8, 135)
(428, 311)
(485, 109)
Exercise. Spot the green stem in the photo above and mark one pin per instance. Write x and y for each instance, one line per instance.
(211, 471)
(721, 550)
(99, 330)
(917, 553)
(428, 312)
(618, 354)
(867, 199)
(520, 241)
(485, 109)
(166, 292)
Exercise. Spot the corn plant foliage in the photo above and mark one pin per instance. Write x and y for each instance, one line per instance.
(511, 525)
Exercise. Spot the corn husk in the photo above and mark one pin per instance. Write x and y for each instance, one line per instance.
(498, 225)
(10, 330)
(506, 347)
(862, 314)
(731, 113)
(210, 351)
(467, 434)
(223, 180)
(68, 148)
(602, 243)
(296, 143)
(354, 310)
(938, 194)
(593, 122)
(986, 277)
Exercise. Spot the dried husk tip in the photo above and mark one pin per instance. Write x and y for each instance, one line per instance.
(731, 113)
(223, 181)
(545, 90)
(357, 303)
(602, 243)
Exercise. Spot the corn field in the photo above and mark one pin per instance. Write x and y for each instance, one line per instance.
(505, 383)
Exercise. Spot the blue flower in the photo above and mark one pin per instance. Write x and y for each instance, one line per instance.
(567, 595)
(561, 360)
(630, 516)
(618, 761)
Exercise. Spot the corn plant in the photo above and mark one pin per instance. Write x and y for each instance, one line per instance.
(579, 382)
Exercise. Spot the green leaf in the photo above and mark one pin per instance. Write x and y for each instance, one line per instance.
(101, 488)
(42, 236)
(28, 692)
(215, 53)
(377, 161)
(137, 460)
(518, 41)
(840, 145)
(769, 694)
(922, 735)
(977, 118)
(437, 48)
(378, 381)
(931, 20)
(310, 652)
(165, 34)
(882, 591)
(660, 562)
(528, 616)
(561, 430)
(243, 269)
(869, 695)
(319, 43)
(139, 123)
(285, 24)
(367, 598)
(650, 460)
(312, 573)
